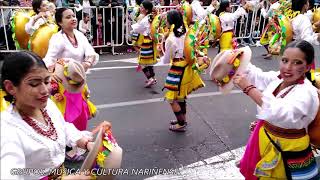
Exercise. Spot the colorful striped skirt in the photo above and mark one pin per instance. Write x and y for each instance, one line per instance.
(147, 52)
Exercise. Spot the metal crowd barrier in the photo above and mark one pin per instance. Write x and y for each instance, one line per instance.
(112, 26)
(116, 25)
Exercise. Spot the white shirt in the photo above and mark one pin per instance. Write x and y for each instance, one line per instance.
(84, 27)
(270, 11)
(227, 19)
(309, 14)
(142, 27)
(295, 111)
(198, 12)
(174, 48)
(61, 47)
(30, 29)
(23, 147)
(302, 29)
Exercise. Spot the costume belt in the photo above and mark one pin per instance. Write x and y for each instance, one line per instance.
(284, 133)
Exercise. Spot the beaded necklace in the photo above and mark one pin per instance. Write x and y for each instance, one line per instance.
(49, 131)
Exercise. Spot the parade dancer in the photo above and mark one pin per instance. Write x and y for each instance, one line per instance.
(268, 14)
(279, 147)
(227, 20)
(181, 79)
(301, 24)
(148, 56)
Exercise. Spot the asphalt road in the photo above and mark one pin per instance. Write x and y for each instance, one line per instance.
(217, 124)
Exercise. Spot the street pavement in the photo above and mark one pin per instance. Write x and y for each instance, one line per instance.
(217, 124)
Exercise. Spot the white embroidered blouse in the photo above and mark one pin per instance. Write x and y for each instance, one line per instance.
(302, 29)
(33, 25)
(23, 147)
(173, 48)
(227, 19)
(295, 111)
(198, 12)
(142, 27)
(61, 47)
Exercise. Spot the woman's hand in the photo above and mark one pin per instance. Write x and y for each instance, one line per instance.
(86, 65)
(105, 125)
(241, 81)
(83, 142)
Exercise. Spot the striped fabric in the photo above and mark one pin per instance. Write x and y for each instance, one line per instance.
(302, 165)
(146, 51)
(174, 78)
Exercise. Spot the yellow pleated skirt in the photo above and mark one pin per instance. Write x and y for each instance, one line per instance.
(190, 82)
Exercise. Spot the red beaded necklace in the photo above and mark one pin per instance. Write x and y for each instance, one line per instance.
(51, 133)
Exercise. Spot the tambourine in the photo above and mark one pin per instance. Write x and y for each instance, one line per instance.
(19, 19)
(106, 153)
(39, 41)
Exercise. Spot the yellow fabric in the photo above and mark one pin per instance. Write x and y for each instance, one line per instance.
(270, 155)
(191, 81)
(3, 103)
(266, 37)
(151, 60)
(225, 41)
(62, 104)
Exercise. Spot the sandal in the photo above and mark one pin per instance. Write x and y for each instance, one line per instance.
(178, 128)
(174, 122)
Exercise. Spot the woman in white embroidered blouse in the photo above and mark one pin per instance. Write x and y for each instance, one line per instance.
(69, 42)
(288, 103)
(301, 24)
(227, 20)
(33, 132)
(40, 7)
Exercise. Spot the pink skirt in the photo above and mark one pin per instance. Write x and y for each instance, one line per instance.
(252, 154)
(77, 110)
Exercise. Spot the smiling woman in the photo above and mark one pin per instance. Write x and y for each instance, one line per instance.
(34, 133)
(279, 146)
(69, 42)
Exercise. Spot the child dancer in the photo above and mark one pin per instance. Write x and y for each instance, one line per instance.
(181, 79)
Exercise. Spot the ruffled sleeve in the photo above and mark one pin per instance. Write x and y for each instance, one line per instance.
(142, 26)
(12, 154)
(259, 78)
(295, 111)
(239, 12)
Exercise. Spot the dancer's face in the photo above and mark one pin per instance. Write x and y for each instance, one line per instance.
(33, 91)
(293, 65)
(69, 20)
